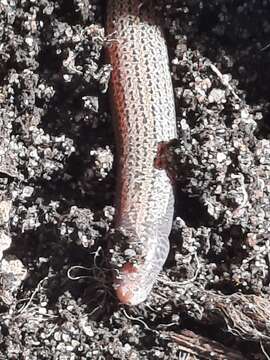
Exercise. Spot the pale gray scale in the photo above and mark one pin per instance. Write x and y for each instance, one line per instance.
(160, 249)
(144, 106)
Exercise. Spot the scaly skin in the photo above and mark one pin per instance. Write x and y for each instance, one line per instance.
(144, 110)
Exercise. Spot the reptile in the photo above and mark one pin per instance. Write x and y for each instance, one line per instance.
(143, 109)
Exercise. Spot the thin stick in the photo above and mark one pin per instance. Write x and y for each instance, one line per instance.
(204, 348)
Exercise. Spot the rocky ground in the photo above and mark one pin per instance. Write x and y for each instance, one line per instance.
(57, 185)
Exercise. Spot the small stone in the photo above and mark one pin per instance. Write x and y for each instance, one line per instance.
(87, 329)
(66, 337)
(42, 310)
(244, 114)
(5, 207)
(29, 41)
(75, 343)
(216, 96)
(57, 336)
(27, 191)
(69, 348)
(221, 157)
(127, 348)
(10, 264)
(5, 242)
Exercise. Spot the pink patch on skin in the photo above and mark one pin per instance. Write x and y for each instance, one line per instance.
(124, 285)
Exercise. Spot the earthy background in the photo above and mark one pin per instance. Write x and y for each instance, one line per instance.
(57, 185)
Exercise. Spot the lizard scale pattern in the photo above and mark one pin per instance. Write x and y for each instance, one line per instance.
(144, 111)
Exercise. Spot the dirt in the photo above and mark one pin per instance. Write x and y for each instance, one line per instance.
(57, 185)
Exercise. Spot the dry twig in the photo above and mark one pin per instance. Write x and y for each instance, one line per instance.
(204, 348)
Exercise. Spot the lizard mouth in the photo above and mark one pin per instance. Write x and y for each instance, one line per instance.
(128, 286)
